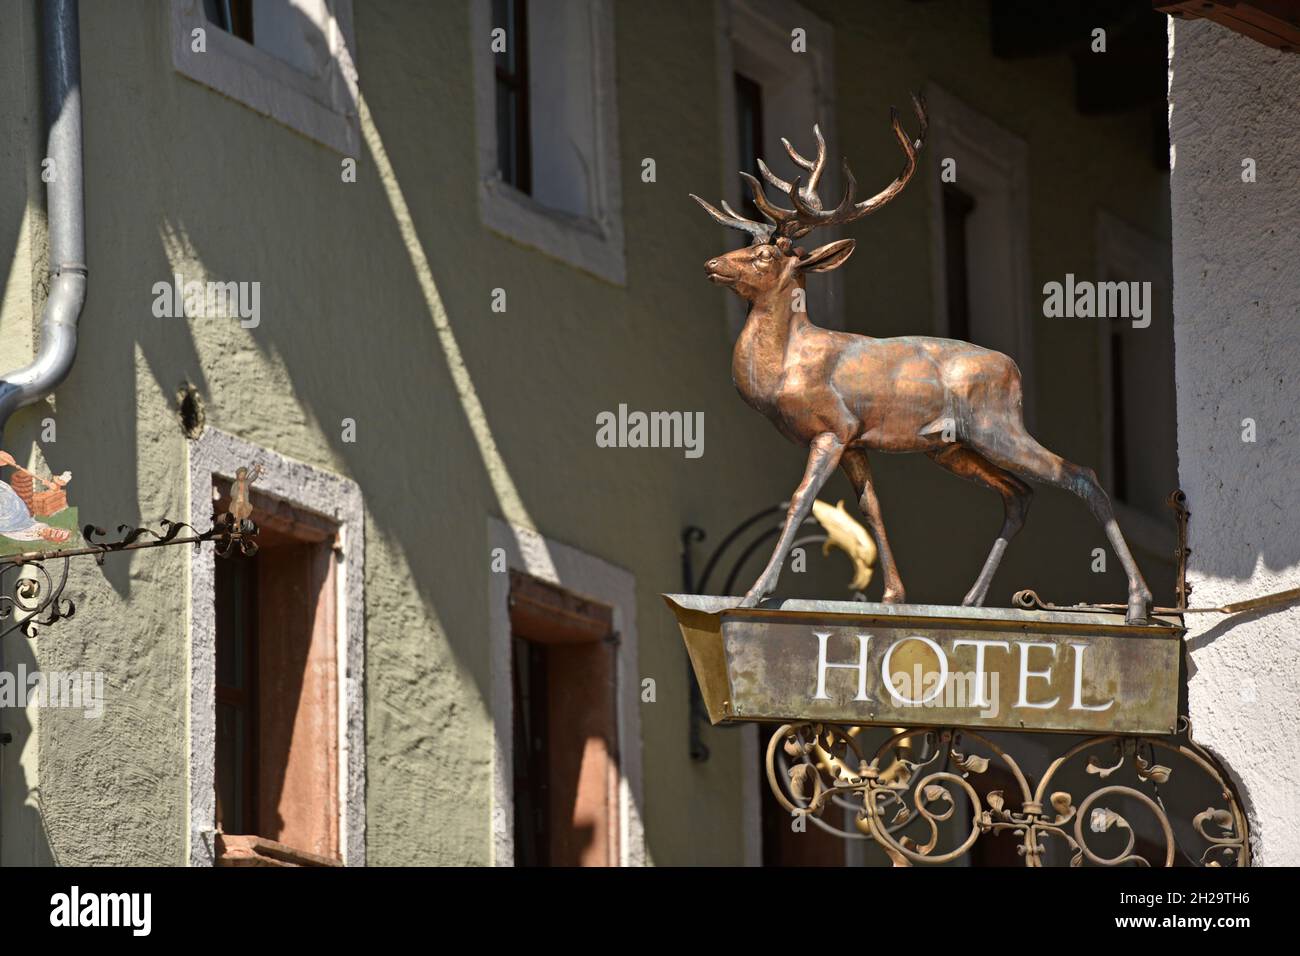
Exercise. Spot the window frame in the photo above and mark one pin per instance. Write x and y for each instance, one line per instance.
(760, 29)
(323, 108)
(594, 243)
(243, 699)
(213, 457)
(517, 82)
(990, 160)
(566, 642)
(1119, 246)
(583, 574)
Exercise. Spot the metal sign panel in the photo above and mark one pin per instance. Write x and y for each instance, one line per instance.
(857, 663)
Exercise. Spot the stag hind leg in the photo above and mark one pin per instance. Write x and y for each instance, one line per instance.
(1016, 450)
(858, 468)
(1016, 496)
(823, 455)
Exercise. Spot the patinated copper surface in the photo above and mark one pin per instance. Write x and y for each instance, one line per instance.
(995, 668)
(843, 395)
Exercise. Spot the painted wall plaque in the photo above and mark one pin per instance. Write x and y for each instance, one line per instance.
(34, 511)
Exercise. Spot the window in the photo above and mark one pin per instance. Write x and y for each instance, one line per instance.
(1139, 455)
(233, 16)
(287, 59)
(514, 135)
(277, 667)
(293, 31)
(236, 597)
(749, 138)
(566, 779)
(957, 207)
(980, 233)
(566, 763)
(547, 130)
(771, 92)
(277, 697)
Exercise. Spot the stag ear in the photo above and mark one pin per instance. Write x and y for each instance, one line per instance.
(828, 257)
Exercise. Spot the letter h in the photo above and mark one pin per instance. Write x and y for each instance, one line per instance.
(864, 641)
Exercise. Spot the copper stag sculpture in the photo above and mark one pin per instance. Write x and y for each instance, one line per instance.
(843, 395)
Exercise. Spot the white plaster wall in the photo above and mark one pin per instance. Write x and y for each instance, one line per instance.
(1236, 263)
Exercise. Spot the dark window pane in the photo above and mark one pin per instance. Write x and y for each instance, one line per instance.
(504, 15)
(230, 770)
(531, 770)
(1119, 419)
(236, 693)
(233, 16)
(514, 147)
(507, 159)
(749, 135)
(957, 208)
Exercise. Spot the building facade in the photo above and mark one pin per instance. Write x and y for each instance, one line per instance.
(441, 265)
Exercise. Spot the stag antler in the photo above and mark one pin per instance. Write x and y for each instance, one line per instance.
(761, 231)
(808, 213)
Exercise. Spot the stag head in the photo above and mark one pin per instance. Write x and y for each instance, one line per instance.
(753, 271)
(772, 260)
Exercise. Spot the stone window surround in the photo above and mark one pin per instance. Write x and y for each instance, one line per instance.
(584, 574)
(593, 244)
(217, 455)
(322, 108)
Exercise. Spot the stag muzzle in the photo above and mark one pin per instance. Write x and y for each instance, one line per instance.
(720, 271)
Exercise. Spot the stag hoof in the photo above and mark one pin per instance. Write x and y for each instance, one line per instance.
(756, 595)
(1139, 608)
(893, 597)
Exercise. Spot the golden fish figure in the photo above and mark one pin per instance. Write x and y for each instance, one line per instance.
(850, 537)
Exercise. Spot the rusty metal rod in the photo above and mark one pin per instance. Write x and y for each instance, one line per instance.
(226, 531)
(1030, 600)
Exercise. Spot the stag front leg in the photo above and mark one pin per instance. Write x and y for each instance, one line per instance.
(858, 468)
(823, 455)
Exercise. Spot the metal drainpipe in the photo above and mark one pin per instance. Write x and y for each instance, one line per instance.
(66, 212)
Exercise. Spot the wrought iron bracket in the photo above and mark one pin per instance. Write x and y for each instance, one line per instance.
(33, 597)
(1030, 601)
(769, 521)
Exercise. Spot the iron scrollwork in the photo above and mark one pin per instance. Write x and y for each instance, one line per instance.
(33, 597)
(33, 600)
(906, 796)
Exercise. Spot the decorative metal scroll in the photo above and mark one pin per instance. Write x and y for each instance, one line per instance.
(31, 597)
(908, 796)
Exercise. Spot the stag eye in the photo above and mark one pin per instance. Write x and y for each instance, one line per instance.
(765, 254)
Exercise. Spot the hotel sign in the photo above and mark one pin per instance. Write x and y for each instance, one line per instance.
(912, 665)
